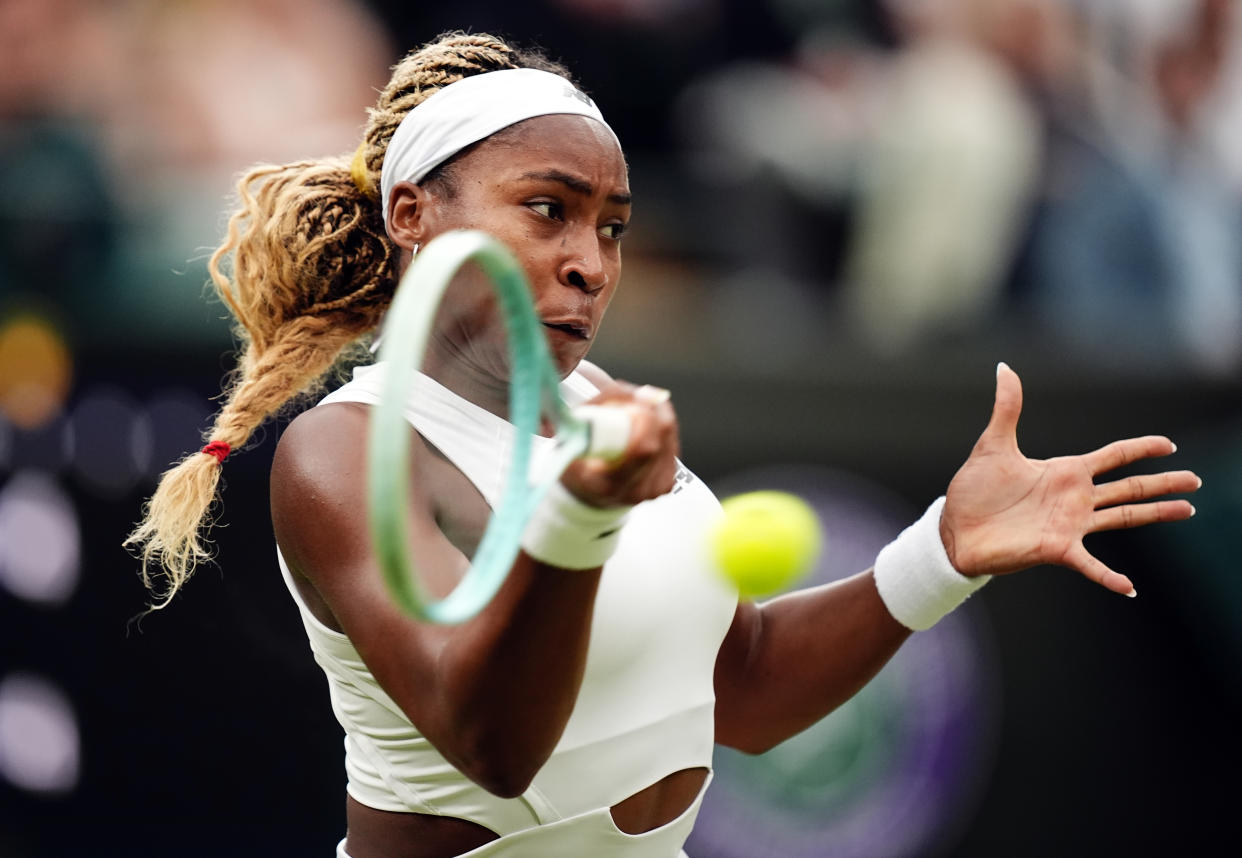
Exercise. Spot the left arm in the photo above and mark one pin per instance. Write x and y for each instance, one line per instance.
(789, 662)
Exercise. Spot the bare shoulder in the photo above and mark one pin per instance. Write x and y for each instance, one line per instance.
(320, 442)
(318, 491)
(592, 373)
(318, 486)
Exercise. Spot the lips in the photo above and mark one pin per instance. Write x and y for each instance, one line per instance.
(574, 327)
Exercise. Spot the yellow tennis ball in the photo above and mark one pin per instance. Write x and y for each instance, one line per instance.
(766, 541)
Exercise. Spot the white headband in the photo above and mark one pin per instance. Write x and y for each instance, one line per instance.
(469, 110)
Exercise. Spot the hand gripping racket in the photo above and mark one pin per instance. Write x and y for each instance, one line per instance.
(533, 390)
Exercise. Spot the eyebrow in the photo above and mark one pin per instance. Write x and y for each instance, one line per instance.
(576, 184)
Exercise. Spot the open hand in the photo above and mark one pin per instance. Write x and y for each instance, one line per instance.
(1004, 512)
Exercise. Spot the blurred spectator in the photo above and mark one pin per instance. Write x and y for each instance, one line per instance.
(198, 83)
(770, 148)
(229, 82)
(949, 171)
(928, 154)
(59, 221)
(1135, 257)
(1073, 168)
(122, 123)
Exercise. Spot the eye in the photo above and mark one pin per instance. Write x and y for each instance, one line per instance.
(550, 210)
(614, 230)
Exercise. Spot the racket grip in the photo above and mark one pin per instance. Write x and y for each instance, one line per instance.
(609, 430)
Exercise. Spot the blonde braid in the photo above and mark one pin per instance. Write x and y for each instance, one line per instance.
(307, 269)
(312, 272)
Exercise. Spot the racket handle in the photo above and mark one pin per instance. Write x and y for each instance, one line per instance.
(609, 430)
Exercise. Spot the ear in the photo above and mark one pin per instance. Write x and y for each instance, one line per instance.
(409, 218)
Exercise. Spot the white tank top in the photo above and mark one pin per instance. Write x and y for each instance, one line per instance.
(646, 705)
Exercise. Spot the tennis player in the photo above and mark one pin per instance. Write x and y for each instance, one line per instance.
(576, 714)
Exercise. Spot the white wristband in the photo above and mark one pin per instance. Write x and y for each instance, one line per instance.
(915, 578)
(565, 532)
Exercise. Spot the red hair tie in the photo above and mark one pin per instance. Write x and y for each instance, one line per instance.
(219, 449)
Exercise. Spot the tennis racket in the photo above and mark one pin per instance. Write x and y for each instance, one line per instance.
(533, 392)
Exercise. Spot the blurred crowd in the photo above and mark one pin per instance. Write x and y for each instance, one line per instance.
(1068, 169)
(915, 169)
(121, 127)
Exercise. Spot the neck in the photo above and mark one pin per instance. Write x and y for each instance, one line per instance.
(470, 383)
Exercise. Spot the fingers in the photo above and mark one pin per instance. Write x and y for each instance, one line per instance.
(647, 467)
(1119, 504)
(1139, 515)
(1144, 487)
(1132, 515)
(650, 410)
(652, 395)
(1121, 453)
(610, 426)
(1002, 429)
(653, 430)
(1085, 563)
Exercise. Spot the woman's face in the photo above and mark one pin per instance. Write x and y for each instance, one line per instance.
(555, 190)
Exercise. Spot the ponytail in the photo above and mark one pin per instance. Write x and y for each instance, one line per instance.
(307, 270)
(311, 273)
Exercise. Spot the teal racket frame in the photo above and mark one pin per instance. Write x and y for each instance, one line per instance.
(533, 391)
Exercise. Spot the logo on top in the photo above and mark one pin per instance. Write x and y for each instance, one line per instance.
(571, 92)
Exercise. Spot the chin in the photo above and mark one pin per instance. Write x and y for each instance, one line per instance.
(566, 364)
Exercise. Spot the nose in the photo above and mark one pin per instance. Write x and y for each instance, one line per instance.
(583, 266)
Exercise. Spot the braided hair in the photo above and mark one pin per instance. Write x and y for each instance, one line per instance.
(307, 271)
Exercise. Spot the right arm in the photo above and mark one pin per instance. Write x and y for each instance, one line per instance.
(494, 693)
